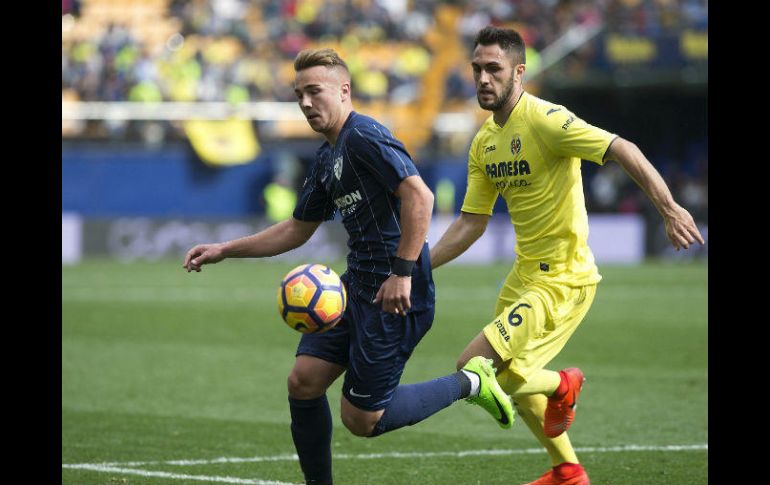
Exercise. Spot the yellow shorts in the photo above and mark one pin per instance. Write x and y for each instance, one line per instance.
(535, 318)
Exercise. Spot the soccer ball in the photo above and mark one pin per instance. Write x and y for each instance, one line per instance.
(312, 298)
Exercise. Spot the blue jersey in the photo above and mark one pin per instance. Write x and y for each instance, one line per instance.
(357, 177)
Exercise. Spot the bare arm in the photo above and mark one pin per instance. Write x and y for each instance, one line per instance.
(463, 232)
(680, 226)
(276, 239)
(416, 209)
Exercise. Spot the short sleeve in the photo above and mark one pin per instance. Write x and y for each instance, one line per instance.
(381, 154)
(480, 195)
(314, 203)
(569, 136)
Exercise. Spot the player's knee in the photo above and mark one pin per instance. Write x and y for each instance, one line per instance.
(302, 386)
(358, 429)
(357, 424)
(461, 362)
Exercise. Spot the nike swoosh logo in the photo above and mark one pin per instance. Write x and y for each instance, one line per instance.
(552, 110)
(504, 417)
(354, 393)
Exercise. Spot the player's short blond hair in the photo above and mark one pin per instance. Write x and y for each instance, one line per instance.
(319, 57)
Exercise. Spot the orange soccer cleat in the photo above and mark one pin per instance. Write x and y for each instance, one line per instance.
(560, 412)
(575, 476)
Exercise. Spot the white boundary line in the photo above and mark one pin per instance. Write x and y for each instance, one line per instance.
(149, 473)
(120, 467)
(398, 454)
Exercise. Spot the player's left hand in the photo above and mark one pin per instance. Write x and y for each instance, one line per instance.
(681, 228)
(394, 294)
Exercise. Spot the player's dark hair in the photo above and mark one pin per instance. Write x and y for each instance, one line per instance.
(508, 39)
(318, 57)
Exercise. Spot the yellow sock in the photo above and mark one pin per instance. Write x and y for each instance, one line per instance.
(530, 401)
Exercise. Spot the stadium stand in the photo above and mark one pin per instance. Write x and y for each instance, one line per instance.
(408, 60)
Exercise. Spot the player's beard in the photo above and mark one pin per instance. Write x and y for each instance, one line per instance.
(498, 104)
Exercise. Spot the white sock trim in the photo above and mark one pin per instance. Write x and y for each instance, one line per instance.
(475, 382)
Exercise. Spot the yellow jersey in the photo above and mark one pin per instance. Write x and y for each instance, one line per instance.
(533, 161)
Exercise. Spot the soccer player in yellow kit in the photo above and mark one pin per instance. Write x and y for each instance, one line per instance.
(529, 152)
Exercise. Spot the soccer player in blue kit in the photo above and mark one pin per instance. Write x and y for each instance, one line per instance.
(363, 172)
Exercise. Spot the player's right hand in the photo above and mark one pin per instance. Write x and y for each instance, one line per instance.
(202, 254)
(394, 294)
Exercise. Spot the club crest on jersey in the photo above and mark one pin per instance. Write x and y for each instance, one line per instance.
(338, 167)
(516, 145)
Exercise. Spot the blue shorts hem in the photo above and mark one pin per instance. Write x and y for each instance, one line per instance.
(321, 356)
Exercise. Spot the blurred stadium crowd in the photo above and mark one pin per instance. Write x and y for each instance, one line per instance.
(241, 50)
(408, 60)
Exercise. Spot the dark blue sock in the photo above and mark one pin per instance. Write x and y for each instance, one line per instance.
(311, 430)
(412, 403)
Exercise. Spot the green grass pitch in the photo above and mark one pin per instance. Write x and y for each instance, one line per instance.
(172, 378)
